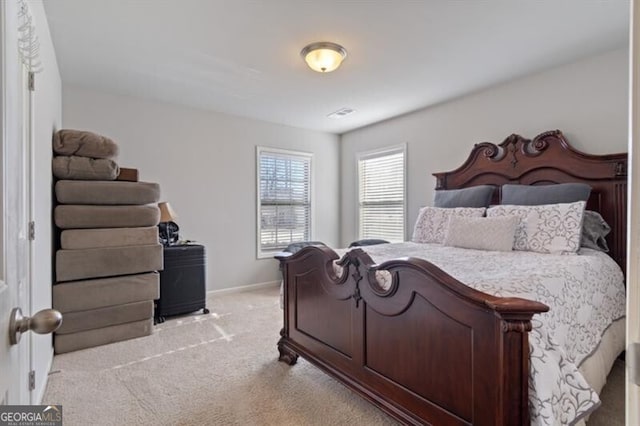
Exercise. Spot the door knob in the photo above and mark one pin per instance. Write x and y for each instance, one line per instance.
(44, 322)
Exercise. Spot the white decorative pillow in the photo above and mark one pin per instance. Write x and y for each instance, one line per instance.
(433, 221)
(482, 233)
(548, 228)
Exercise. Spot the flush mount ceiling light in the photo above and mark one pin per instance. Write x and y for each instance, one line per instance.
(323, 56)
(342, 112)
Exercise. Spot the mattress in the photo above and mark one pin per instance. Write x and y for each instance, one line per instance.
(102, 292)
(107, 262)
(596, 368)
(106, 192)
(85, 217)
(74, 322)
(75, 239)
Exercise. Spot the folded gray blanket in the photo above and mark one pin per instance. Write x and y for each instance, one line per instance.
(83, 144)
(84, 168)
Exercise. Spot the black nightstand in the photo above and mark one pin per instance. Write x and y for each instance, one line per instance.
(182, 282)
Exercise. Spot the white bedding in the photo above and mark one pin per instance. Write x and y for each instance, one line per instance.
(585, 294)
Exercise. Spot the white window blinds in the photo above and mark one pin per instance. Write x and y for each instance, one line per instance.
(284, 199)
(381, 177)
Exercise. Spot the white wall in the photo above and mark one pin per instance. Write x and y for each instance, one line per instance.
(47, 110)
(587, 100)
(192, 152)
(632, 405)
(205, 163)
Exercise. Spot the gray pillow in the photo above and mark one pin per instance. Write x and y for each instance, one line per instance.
(526, 195)
(475, 196)
(594, 231)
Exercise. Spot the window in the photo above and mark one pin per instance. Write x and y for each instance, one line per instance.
(381, 193)
(284, 199)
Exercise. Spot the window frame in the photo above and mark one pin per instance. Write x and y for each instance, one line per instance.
(264, 254)
(375, 153)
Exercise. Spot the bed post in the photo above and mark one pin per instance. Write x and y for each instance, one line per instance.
(515, 374)
(287, 355)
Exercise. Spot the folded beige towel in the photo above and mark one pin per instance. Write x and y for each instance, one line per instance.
(64, 343)
(75, 239)
(99, 293)
(107, 262)
(107, 192)
(87, 217)
(84, 168)
(83, 144)
(104, 317)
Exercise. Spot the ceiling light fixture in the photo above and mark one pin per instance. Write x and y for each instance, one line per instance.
(342, 112)
(323, 56)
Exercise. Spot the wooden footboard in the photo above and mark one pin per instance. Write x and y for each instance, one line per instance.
(427, 350)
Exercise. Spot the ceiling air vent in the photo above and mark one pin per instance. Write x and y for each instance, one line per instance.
(342, 112)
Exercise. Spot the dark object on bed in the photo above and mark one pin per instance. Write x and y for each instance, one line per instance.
(594, 232)
(431, 349)
(296, 247)
(475, 196)
(368, 242)
(525, 195)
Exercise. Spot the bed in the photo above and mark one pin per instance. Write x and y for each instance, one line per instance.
(429, 348)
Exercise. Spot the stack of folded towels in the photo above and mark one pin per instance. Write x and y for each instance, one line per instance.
(108, 251)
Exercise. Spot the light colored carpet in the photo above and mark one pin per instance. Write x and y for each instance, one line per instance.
(218, 369)
(611, 412)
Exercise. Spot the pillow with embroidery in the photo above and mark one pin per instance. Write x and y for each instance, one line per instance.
(433, 221)
(547, 228)
(481, 233)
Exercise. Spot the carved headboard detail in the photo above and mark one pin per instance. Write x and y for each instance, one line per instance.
(547, 159)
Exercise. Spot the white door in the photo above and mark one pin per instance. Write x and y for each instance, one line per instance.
(633, 266)
(15, 285)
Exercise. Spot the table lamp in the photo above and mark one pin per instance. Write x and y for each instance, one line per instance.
(167, 217)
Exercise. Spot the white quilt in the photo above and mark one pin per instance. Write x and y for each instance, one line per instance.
(585, 294)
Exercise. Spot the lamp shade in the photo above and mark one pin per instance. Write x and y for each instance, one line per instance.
(323, 56)
(166, 212)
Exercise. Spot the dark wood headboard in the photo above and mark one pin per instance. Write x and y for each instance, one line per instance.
(547, 159)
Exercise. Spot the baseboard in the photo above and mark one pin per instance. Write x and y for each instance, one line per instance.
(245, 287)
(43, 383)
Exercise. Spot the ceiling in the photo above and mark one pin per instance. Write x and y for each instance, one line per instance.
(242, 56)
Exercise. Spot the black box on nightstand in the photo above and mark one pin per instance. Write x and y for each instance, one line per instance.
(182, 282)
